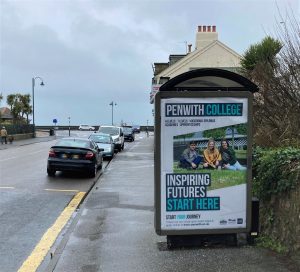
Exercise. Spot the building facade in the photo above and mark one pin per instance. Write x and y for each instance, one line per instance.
(5, 115)
(209, 53)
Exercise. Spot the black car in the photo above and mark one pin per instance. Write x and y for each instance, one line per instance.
(128, 134)
(136, 129)
(75, 154)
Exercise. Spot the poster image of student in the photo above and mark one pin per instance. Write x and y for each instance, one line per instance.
(212, 156)
(229, 160)
(190, 159)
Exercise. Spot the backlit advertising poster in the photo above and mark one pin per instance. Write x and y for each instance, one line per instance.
(203, 163)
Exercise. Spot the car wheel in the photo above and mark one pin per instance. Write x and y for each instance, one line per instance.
(51, 172)
(93, 172)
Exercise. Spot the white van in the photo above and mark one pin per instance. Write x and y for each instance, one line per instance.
(116, 134)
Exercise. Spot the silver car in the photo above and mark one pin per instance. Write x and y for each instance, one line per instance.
(105, 142)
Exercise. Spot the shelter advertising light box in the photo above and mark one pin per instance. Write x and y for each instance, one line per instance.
(203, 165)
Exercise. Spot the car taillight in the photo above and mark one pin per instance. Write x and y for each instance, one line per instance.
(51, 153)
(89, 155)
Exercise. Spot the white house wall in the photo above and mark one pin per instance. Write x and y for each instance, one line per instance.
(215, 56)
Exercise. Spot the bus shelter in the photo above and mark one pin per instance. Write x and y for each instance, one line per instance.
(194, 195)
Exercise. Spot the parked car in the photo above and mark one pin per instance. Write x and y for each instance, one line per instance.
(128, 134)
(86, 127)
(136, 129)
(106, 142)
(75, 154)
(117, 135)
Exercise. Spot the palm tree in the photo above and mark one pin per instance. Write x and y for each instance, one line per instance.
(26, 107)
(274, 65)
(10, 100)
(16, 105)
(262, 54)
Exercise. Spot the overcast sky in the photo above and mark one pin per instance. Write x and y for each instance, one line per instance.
(92, 52)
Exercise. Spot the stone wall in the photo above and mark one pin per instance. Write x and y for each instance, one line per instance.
(280, 219)
(22, 136)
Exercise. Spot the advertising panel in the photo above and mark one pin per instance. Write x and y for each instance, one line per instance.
(203, 163)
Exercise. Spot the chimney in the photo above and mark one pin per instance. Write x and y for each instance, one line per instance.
(205, 36)
(190, 48)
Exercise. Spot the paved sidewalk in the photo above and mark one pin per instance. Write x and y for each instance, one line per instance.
(40, 137)
(114, 229)
(116, 220)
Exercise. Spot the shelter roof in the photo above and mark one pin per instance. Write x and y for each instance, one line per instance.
(209, 79)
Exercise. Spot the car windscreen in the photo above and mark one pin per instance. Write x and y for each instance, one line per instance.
(127, 130)
(73, 143)
(109, 130)
(100, 139)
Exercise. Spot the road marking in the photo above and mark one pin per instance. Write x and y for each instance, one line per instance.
(57, 190)
(3, 187)
(40, 251)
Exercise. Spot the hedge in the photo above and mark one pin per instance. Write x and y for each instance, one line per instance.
(275, 171)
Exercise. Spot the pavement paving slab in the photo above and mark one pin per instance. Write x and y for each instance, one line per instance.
(114, 231)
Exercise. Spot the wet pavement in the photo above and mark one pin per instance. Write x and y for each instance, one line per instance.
(40, 137)
(114, 229)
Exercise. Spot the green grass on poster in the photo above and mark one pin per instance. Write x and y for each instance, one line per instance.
(219, 178)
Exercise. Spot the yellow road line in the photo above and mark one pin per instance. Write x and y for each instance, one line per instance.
(3, 187)
(57, 190)
(40, 251)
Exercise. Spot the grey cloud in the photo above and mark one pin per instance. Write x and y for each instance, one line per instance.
(92, 52)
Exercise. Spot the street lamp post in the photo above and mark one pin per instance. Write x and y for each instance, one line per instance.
(112, 104)
(33, 85)
(69, 126)
(147, 129)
